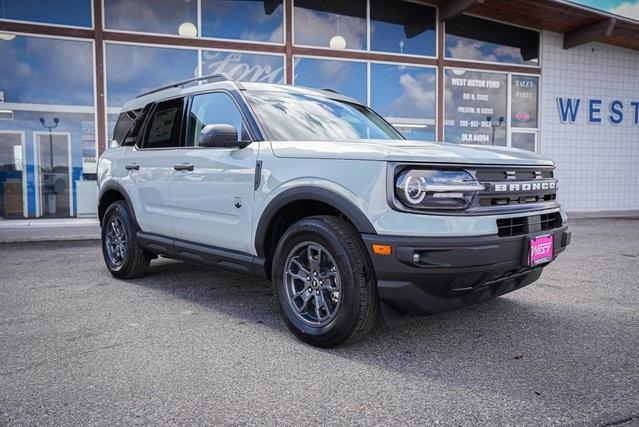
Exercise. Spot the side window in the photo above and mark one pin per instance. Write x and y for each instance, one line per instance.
(163, 129)
(210, 109)
(125, 122)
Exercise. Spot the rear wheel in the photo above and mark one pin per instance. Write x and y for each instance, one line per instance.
(320, 277)
(123, 255)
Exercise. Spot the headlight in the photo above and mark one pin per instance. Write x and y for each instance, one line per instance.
(436, 189)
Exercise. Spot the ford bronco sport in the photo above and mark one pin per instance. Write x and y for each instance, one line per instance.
(319, 194)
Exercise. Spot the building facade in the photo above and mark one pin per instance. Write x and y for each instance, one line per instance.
(456, 71)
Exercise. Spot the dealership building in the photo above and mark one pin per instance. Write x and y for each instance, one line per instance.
(548, 76)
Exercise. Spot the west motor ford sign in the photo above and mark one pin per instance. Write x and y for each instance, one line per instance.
(617, 112)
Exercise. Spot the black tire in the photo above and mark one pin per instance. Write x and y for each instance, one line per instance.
(135, 262)
(357, 309)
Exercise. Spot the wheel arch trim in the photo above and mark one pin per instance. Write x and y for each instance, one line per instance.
(116, 186)
(353, 213)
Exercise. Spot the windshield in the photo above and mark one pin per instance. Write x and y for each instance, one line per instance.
(307, 117)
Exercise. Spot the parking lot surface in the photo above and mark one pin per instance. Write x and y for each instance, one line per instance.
(196, 345)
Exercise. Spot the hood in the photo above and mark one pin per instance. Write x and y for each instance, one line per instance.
(407, 151)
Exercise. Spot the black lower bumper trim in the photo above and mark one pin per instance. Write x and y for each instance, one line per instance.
(430, 275)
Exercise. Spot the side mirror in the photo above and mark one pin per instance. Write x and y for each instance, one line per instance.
(220, 136)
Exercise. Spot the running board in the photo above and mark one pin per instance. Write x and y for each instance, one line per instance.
(239, 262)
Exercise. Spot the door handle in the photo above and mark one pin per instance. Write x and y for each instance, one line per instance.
(183, 167)
(132, 167)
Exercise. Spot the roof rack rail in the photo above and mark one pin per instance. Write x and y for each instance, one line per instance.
(217, 77)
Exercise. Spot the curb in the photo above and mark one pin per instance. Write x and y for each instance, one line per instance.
(50, 239)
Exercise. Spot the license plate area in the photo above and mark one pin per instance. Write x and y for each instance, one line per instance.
(540, 249)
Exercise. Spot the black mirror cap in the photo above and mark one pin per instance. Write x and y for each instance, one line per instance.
(220, 136)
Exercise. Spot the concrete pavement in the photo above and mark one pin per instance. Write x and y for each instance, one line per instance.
(196, 345)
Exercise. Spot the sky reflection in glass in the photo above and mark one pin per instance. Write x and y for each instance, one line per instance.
(46, 71)
(478, 39)
(406, 96)
(407, 28)
(149, 16)
(320, 23)
(131, 70)
(345, 77)
(253, 20)
(62, 12)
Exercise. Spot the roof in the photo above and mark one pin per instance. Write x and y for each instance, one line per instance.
(560, 16)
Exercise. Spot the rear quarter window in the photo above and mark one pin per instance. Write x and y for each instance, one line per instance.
(123, 126)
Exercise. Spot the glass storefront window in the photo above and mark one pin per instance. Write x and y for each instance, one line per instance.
(405, 96)
(40, 70)
(247, 67)
(403, 27)
(176, 17)
(475, 107)
(47, 140)
(247, 20)
(75, 13)
(345, 77)
(523, 140)
(331, 24)
(132, 69)
(477, 39)
(524, 93)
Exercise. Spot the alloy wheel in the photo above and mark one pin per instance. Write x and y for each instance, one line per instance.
(313, 283)
(116, 242)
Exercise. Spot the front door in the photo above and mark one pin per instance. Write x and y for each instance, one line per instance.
(13, 194)
(212, 197)
(53, 174)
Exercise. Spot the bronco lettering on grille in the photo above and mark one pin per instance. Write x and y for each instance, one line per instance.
(524, 186)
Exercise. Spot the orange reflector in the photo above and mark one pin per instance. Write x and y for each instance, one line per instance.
(382, 249)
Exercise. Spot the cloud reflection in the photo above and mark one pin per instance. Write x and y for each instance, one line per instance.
(298, 117)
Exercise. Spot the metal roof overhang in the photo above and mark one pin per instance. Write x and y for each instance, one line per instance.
(580, 24)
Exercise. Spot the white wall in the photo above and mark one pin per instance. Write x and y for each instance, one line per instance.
(597, 164)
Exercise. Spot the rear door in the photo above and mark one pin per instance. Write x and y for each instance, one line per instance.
(150, 164)
(212, 192)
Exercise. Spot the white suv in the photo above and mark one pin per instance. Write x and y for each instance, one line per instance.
(318, 193)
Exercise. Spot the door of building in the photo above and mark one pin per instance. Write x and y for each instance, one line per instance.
(13, 194)
(53, 174)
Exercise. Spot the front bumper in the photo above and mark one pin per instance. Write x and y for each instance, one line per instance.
(453, 272)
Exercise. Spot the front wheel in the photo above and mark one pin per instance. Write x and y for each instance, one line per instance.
(123, 255)
(323, 287)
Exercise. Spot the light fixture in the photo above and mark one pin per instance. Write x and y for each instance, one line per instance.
(187, 29)
(7, 36)
(337, 42)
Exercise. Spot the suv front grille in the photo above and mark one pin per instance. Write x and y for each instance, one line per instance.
(515, 186)
(507, 227)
